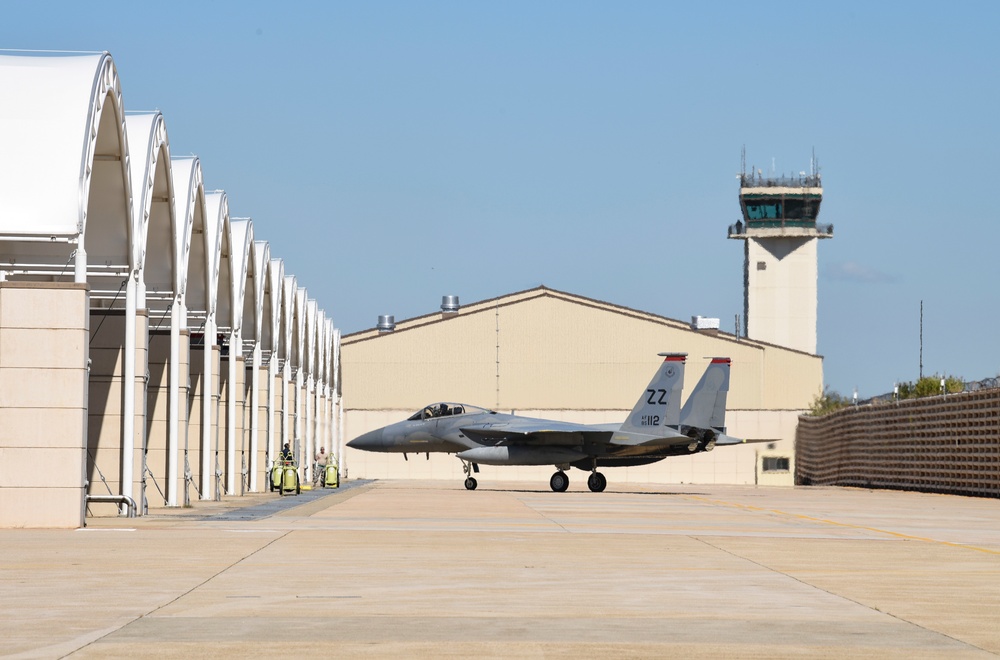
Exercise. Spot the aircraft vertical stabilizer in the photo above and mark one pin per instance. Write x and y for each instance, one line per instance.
(660, 403)
(706, 406)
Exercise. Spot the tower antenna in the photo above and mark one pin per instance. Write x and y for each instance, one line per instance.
(921, 340)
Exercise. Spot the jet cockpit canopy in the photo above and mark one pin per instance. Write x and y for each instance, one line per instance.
(446, 410)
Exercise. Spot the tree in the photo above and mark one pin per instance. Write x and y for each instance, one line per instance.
(827, 401)
(930, 386)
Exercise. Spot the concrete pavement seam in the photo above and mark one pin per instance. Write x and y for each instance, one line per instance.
(178, 597)
(802, 516)
(841, 596)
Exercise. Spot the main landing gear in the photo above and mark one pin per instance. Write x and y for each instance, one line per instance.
(560, 482)
(597, 482)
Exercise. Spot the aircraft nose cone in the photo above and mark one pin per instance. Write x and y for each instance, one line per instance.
(371, 441)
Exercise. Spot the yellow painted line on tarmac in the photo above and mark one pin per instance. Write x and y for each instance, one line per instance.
(836, 523)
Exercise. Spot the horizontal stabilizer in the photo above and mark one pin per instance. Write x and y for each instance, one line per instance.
(722, 439)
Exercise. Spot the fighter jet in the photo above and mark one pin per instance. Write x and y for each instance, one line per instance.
(657, 428)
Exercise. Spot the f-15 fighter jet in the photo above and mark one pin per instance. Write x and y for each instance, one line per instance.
(657, 428)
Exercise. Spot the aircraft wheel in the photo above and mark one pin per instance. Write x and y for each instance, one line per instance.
(597, 482)
(559, 482)
(471, 483)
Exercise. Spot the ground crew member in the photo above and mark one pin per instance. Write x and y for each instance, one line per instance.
(321, 460)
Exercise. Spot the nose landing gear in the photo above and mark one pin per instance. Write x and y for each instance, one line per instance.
(470, 481)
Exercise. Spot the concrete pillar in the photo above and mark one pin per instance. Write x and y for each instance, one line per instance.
(175, 385)
(128, 398)
(299, 418)
(286, 406)
(273, 396)
(209, 402)
(255, 417)
(141, 478)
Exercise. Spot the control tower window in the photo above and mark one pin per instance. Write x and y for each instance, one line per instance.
(801, 209)
(770, 211)
(787, 208)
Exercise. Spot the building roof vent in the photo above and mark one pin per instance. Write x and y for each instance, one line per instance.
(386, 323)
(704, 323)
(450, 305)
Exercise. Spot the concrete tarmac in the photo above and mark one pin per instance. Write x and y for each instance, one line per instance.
(428, 569)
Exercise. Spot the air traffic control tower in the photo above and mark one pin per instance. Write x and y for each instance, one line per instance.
(780, 259)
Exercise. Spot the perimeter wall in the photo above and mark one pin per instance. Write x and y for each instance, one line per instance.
(942, 444)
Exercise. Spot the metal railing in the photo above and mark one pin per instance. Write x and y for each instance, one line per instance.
(757, 180)
(740, 228)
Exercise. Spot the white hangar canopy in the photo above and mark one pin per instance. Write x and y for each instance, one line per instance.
(276, 284)
(65, 192)
(241, 269)
(190, 249)
(152, 208)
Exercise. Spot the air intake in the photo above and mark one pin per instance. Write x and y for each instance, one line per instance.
(386, 323)
(450, 305)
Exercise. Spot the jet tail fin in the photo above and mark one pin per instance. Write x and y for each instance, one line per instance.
(660, 403)
(705, 407)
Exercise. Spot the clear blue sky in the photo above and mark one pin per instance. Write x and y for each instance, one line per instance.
(395, 152)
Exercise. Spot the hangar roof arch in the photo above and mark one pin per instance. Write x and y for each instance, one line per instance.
(288, 321)
(309, 359)
(190, 253)
(276, 281)
(64, 174)
(241, 271)
(155, 253)
(298, 345)
(220, 296)
(334, 358)
(260, 254)
(320, 370)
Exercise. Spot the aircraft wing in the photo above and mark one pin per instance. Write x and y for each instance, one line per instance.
(664, 437)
